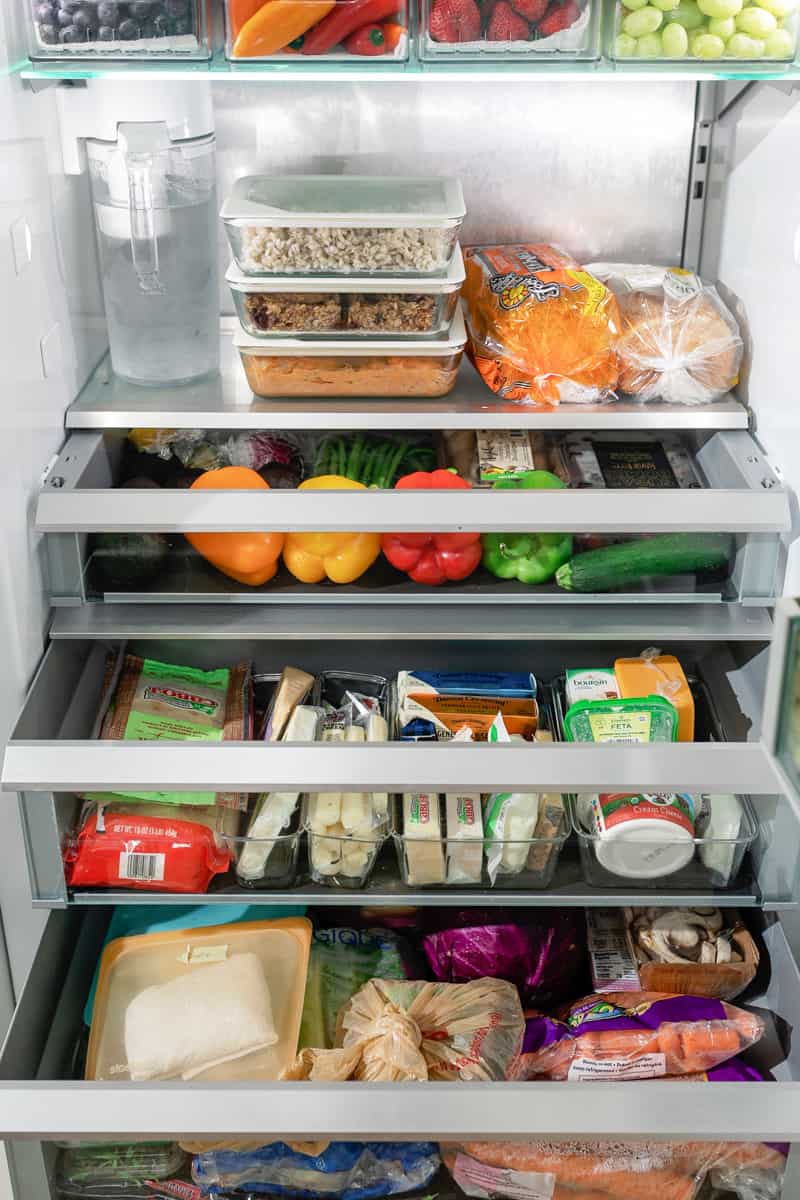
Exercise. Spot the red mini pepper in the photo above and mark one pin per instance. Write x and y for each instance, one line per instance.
(368, 40)
(344, 19)
(433, 558)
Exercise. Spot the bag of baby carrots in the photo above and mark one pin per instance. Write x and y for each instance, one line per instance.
(634, 1035)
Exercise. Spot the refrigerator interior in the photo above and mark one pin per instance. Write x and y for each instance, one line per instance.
(669, 171)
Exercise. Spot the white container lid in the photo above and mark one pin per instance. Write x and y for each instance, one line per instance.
(355, 347)
(369, 284)
(644, 849)
(371, 201)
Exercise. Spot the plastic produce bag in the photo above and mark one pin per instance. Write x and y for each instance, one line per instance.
(608, 1170)
(278, 457)
(635, 1035)
(342, 961)
(542, 329)
(543, 953)
(678, 342)
(393, 1030)
(119, 1169)
(344, 1170)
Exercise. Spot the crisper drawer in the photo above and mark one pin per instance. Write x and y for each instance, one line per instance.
(51, 759)
(113, 543)
(43, 1096)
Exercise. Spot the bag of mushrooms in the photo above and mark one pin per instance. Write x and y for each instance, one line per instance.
(692, 951)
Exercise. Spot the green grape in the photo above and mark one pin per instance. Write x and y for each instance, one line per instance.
(724, 27)
(720, 9)
(632, 5)
(675, 40)
(741, 45)
(706, 45)
(649, 46)
(779, 8)
(663, 5)
(779, 44)
(646, 20)
(756, 22)
(624, 46)
(686, 14)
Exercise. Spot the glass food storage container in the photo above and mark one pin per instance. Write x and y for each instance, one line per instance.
(307, 30)
(515, 30)
(330, 306)
(659, 855)
(440, 842)
(734, 30)
(353, 367)
(342, 225)
(118, 29)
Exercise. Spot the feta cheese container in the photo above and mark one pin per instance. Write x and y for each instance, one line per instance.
(343, 225)
(336, 306)
(391, 369)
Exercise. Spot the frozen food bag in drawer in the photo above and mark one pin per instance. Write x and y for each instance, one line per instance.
(221, 1003)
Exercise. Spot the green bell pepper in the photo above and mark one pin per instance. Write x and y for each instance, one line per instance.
(529, 557)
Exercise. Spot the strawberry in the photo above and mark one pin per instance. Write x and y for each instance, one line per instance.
(506, 25)
(455, 21)
(531, 10)
(558, 17)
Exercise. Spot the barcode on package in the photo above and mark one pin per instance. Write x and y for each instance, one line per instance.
(613, 963)
(141, 866)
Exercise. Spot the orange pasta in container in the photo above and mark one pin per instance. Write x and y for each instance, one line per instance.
(634, 1035)
(542, 330)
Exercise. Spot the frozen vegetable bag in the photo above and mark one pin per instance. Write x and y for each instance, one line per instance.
(147, 700)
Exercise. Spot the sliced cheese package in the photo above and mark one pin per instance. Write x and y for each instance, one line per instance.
(464, 823)
(435, 705)
(422, 853)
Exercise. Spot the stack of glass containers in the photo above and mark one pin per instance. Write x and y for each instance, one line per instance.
(347, 286)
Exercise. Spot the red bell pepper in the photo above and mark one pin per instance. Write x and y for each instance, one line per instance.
(344, 19)
(368, 40)
(433, 558)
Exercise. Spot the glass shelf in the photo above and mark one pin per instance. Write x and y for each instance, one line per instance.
(224, 401)
(41, 74)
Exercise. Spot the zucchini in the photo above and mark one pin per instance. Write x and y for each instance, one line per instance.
(629, 563)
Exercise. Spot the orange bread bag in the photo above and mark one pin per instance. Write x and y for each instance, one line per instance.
(542, 330)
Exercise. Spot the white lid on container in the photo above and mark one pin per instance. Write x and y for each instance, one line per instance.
(374, 201)
(644, 849)
(355, 347)
(368, 284)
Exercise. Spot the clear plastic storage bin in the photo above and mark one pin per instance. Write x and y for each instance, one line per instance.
(706, 30)
(353, 367)
(307, 31)
(343, 860)
(118, 29)
(343, 225)
(329, 306)
(710, 860)
(511, 30)
(264, 863)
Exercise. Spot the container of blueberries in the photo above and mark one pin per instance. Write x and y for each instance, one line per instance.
(119, 29)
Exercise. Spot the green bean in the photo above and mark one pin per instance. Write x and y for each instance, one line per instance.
(395, 458)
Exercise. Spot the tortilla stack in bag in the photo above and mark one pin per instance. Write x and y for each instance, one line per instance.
(542, 329)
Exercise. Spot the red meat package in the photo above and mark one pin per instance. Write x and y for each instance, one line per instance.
(635, 1035)
(160, 848)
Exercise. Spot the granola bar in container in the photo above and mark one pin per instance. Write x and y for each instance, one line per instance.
(362, 306)
(295, 367)
(343, 225)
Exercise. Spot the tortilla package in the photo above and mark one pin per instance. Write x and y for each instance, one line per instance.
(635, 1035)
(542, 329)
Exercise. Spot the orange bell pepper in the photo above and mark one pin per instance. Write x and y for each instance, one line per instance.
(340, 557)
(250, 558)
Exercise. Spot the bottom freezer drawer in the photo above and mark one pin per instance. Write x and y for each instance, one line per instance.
(42, 1094)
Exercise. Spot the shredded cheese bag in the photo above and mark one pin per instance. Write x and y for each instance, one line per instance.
(542, 329)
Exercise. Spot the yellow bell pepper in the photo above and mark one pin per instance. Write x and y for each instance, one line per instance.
(250, 558)
(340, 557)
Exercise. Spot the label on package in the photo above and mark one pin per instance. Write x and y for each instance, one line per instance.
(503, 454)
(179, 1188)
(611, 809)
(620, 727)
(141, 866)
(477, 1179)
(592, 683)
(611, 954)
(645, 1066)
(680, 284)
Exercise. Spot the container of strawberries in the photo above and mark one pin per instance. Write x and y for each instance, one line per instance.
(508, 30)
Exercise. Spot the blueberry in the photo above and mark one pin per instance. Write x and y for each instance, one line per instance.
(70, 6)
(139, 10)
(181, 26)
(107, 12)
(44, 13)
(71, 34)
(128, 30)
(148, 29)
(105, 34)
(48, 34)
(64, 18)
(86, 19)
(176, 8)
